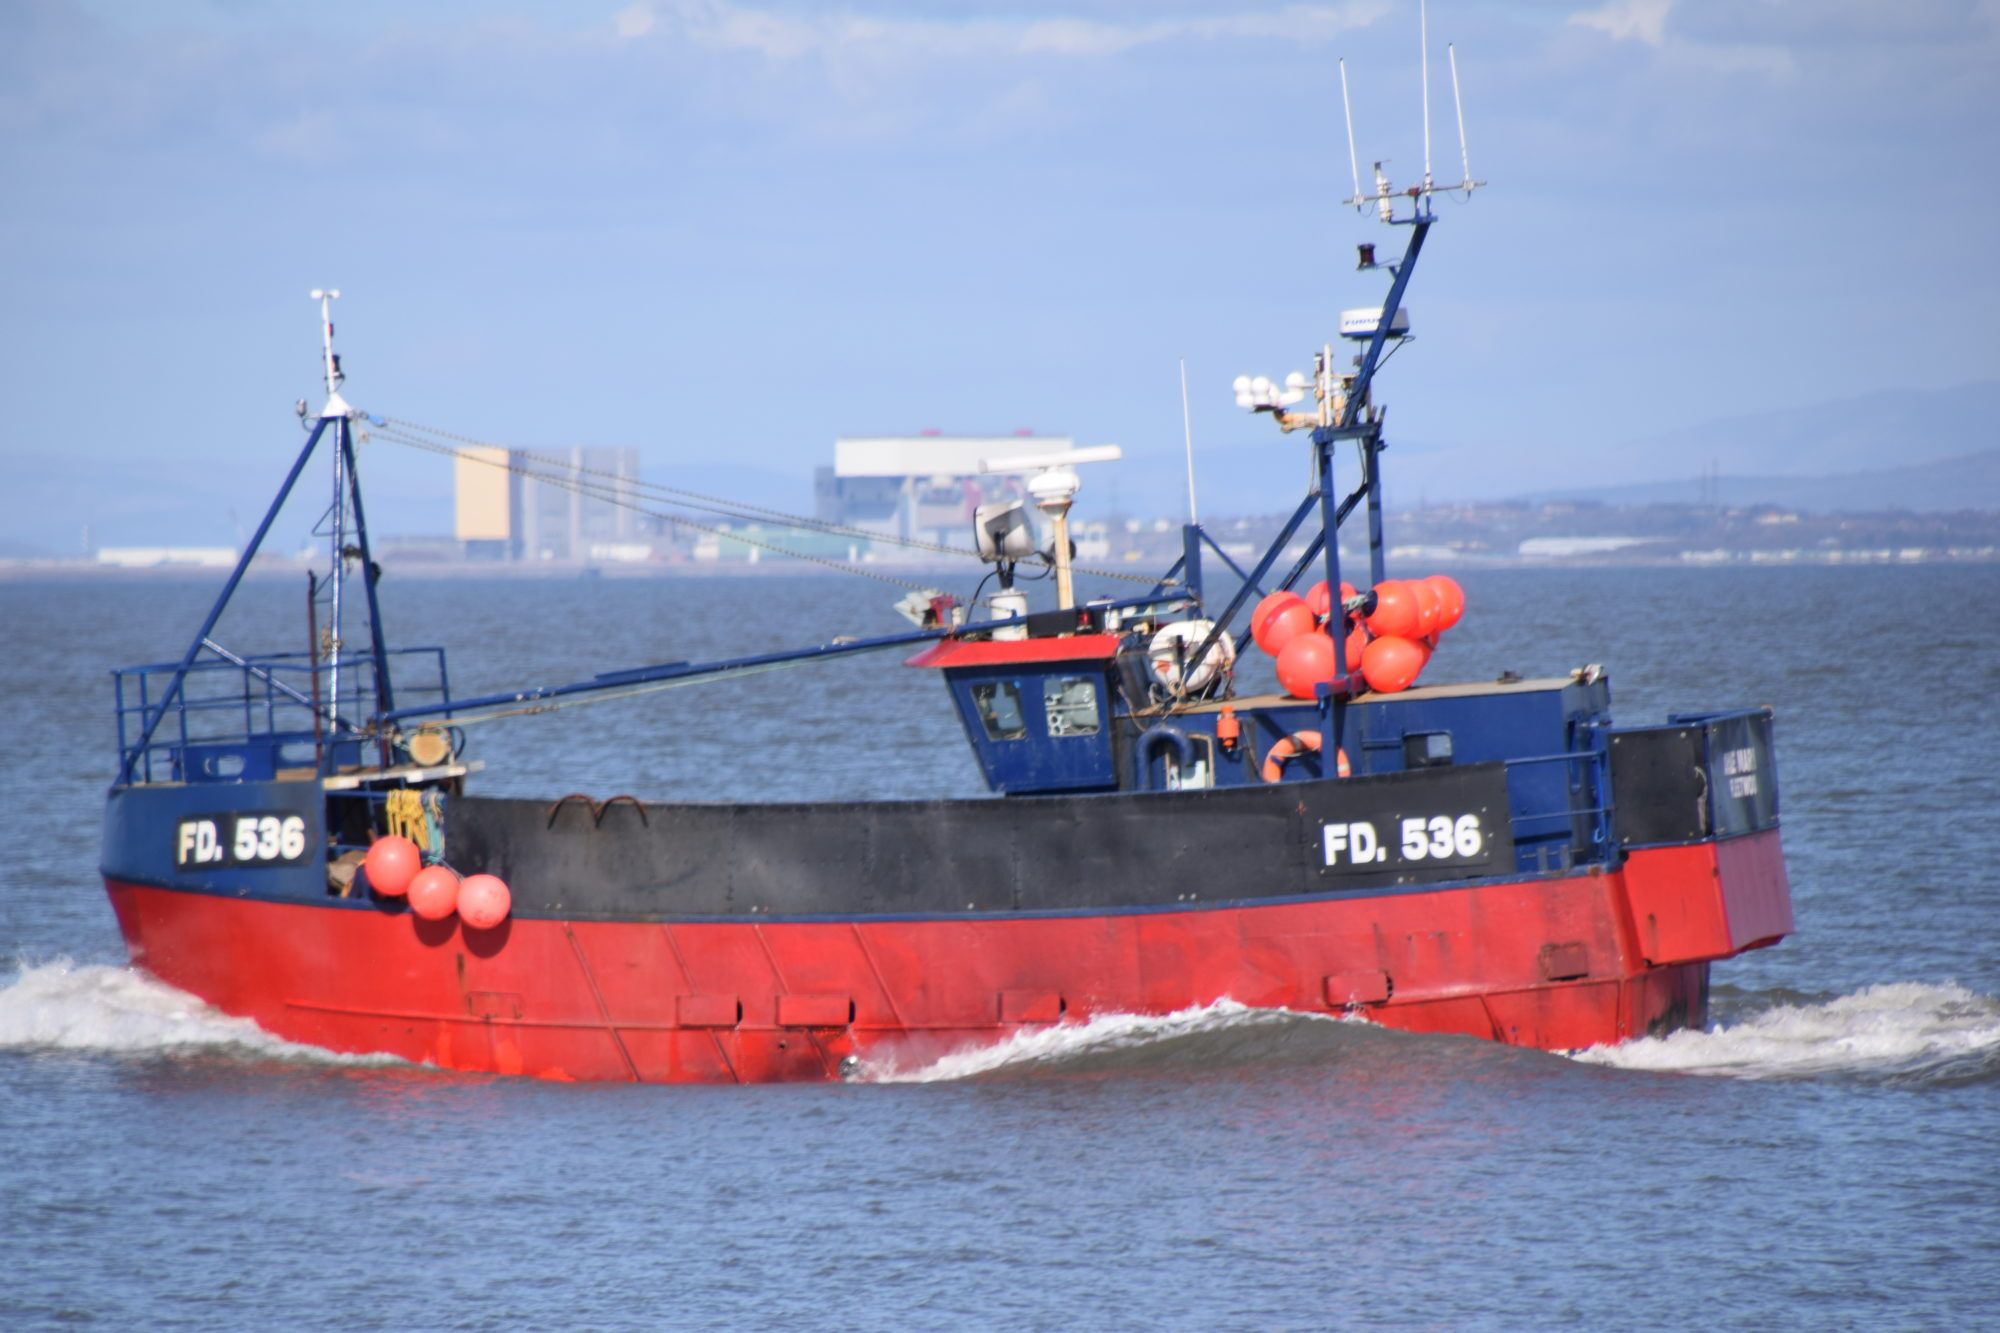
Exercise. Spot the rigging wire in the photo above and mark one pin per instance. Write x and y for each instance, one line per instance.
(688, 499)
(633, 691)
(399, 432)
(609, 495)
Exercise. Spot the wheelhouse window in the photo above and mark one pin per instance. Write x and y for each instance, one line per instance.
(999, 704)
(1071, 705)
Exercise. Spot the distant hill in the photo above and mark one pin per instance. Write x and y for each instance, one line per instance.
(1921, 450)
(1936, 449)
(1971, 481)
(1874, 433)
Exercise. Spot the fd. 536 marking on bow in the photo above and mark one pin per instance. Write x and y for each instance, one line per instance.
(240, 840)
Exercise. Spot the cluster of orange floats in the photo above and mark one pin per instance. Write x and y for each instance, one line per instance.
(1391, 632)
(395, 869)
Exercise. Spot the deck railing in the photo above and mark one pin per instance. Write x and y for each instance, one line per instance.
(245, 718)
(1572, 831)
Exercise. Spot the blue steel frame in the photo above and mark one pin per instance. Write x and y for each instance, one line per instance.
(344, 442)
(270, 714)
(1326, 542)
(152, 714)
(1188, 568)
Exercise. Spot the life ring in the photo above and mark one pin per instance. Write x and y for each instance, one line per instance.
(1164, 733)
(1296, 744)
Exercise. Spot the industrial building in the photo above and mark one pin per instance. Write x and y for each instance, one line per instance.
(921, 487)
(506, 512)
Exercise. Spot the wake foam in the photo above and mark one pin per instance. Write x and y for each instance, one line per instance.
(59, 1006)
(1205, 1036)
(1901, 1032)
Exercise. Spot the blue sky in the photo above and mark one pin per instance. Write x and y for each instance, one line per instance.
(727, 233)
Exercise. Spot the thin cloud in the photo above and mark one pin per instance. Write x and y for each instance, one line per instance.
(1628, 20)
(633, 21)
(1645, 22)
(784, 38)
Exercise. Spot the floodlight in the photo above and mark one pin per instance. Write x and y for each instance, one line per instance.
(1003, 532)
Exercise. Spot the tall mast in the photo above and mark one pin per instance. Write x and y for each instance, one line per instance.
(335, 411)
(1424, 59)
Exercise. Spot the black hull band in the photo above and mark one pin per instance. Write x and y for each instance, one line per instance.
(1055, 853)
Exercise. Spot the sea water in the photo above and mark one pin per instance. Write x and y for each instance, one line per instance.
(1822, 1156)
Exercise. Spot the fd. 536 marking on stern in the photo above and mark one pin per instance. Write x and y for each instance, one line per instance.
(254, 839)
(1415, 840)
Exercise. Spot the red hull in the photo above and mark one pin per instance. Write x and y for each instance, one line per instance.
(1553, 963)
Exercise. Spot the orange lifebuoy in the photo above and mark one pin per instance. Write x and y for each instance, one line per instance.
(1296, 744)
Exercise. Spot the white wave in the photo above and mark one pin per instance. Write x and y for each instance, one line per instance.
(59, 1006)
(1067, 1042)
(1899, 1030)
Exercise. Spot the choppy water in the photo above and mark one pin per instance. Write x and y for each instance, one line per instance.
(1824, 1156)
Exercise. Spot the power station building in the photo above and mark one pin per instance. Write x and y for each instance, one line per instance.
(921, 487)
(504, 512)
(914, 488)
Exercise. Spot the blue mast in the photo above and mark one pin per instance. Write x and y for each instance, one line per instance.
(335, 415)
(1356, 423)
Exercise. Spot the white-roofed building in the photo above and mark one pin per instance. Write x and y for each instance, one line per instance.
(921, 487)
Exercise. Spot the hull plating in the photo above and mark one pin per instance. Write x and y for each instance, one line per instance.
(1556, 963)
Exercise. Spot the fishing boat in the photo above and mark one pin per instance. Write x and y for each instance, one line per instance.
(297, 836)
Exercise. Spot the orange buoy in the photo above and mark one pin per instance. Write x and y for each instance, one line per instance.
(1396, 613)
(1299, 742)
(434, 893)
(1272, 603)
(391, 863)
(1304, 663)
(1291, 621)
(1429, 606)
(1392, 663)
(484, 901)
(1227, 727)
(1357, 644)
(1451, 600)
(1322, 605)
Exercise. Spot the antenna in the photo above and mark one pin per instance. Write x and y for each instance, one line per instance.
(1424, 57)
(1464, 157)
(1096, 453)
(336, 411)
(1187, 432)
(1353, 166)
(1385, 196)
(1053, 487)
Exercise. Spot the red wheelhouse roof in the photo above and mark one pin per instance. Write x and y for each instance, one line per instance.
(1007, 652)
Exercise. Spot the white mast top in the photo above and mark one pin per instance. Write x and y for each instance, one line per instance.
(1353, 166)
(1187, 436)
(336, 406)
(1424, 58)
(1464, 157)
